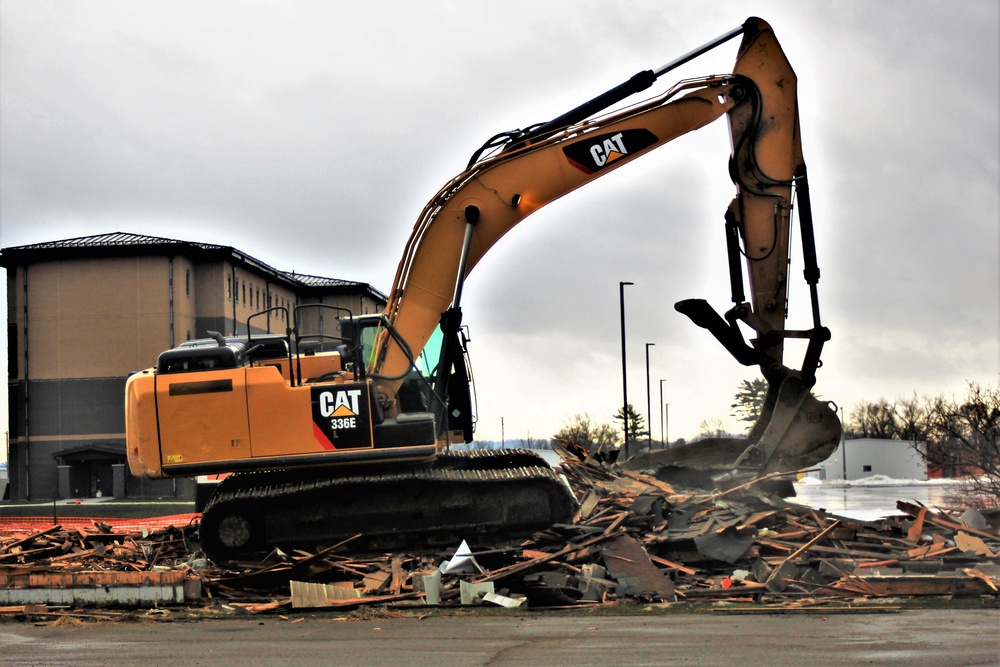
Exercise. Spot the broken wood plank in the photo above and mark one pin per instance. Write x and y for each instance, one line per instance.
(31, 538)
(399, 576)
(917, 528)
(520, 567)
(943, 522)
(918, 585)
(674, 566)
(651, 481)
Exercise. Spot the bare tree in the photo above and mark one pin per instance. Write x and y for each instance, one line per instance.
(912, 418)
(582, 431)
(903, 419)
(873, 420)
(711, 428)
(532, 443)
(965, 441)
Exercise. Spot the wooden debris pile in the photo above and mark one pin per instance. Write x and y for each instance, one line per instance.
(99, 547)
(95, 566)
(633, 532)
(634, 538)
(637, 538)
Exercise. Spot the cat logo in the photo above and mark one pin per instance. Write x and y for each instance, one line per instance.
(594, 153)
(609, 150)
(343, 403)
(341, 407)
(341, 416)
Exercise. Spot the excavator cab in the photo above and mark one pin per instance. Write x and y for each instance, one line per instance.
(438, 380)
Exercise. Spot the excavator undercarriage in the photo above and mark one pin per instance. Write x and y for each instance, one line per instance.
(463, 494)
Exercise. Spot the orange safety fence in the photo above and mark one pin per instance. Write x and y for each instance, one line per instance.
(28, 524)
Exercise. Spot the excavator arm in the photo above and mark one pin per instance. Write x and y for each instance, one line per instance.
(518, 172)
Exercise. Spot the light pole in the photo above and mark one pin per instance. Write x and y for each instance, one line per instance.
(663, 437)
(621, 302)
(843, 446)
(667, 436)
(649, 410)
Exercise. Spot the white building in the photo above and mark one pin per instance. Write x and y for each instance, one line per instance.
(897, 459)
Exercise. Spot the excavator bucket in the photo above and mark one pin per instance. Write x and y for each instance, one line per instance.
(795, 430)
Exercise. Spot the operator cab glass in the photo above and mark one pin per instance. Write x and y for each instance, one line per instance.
(427, 360)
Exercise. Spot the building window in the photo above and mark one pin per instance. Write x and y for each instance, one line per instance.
(866, 468)
(187, 282)
(244, 294)
(229, 288)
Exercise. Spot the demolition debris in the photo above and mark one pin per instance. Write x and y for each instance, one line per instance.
(634, 538)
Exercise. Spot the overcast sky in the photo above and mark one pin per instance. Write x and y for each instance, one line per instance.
(310, 135)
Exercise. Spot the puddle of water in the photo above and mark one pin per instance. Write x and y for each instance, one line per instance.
(868, 503)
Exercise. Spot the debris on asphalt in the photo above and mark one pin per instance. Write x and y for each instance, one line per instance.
(634, 538)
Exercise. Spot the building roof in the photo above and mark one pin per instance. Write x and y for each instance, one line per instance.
(122, 244)
(110, 239)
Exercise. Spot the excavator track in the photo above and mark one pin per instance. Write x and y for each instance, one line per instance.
(464, 495)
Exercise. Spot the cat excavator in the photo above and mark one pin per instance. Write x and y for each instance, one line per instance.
(327, 437)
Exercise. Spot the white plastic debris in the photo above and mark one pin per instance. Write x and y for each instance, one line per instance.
(462, 563)
(503, 600)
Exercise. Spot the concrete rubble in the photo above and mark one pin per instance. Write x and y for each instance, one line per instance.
(635, 539)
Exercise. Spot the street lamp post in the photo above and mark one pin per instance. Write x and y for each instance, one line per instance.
(621, 302)
(667, 436)
(649, 410)
(843, 446)
(663, 436)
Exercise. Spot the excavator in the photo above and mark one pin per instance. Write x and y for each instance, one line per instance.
(326, 437)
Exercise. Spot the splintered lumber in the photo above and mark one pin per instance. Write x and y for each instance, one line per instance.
(8, 547)
(932, 517)
(917, 529)
(805, 547)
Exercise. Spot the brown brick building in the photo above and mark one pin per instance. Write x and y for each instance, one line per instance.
(84, 313)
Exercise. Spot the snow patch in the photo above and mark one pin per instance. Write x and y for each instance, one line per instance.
(877, 480)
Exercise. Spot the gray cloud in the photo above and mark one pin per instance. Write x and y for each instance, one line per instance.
(310, 135)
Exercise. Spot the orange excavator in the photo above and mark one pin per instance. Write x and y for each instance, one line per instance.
(333, 436)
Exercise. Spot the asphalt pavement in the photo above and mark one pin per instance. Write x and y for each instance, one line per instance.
(905, 639)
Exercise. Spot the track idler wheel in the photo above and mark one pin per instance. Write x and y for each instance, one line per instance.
(226, 533)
